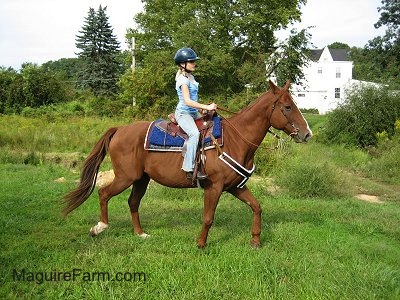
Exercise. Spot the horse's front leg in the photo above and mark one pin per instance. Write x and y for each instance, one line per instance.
(211, 198)
(247, 197)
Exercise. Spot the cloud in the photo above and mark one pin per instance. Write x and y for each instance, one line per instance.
(43, 30)
(350, 22)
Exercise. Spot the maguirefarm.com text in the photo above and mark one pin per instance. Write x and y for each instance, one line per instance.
(76, 275)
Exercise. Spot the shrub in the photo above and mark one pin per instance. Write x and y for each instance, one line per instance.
(365, 112)
(309, 110)
(304, 178)
(386, 157)
(105, 107)
(271, 153)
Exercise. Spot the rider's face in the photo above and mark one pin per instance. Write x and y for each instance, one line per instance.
(191, 65)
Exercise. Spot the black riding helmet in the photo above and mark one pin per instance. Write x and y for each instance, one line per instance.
(184, 55)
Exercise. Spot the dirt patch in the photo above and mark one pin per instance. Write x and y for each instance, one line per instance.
(104, 178)
(369, 198)
(61, 179)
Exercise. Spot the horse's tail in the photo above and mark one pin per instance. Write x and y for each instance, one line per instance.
(89, 172)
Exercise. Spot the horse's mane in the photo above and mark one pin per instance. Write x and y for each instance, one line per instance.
(254, 102)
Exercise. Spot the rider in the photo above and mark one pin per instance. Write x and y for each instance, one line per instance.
(187, 109)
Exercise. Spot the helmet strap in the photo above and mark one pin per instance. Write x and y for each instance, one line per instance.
(183, 68)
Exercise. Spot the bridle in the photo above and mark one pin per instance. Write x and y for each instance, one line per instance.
(294, 132)
(282, 108)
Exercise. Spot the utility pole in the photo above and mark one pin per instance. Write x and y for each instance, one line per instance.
(133, 64)
(133, 55)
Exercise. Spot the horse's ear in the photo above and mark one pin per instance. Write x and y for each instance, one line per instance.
(273, 87)
(287, 85)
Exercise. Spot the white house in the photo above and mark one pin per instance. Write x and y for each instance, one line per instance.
(326, 78)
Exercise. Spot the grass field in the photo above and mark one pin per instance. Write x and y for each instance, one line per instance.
(312, 249)
(318, 240)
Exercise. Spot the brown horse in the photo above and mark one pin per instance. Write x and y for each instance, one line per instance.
(134, 166)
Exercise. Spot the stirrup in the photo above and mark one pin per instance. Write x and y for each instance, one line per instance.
(199, 175)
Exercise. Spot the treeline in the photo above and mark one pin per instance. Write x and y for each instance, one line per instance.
(33, 86)
(236, 44)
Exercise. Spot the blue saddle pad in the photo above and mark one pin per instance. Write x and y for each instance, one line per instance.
(158, 139)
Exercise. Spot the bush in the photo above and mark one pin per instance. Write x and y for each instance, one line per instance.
(386, 157)
(309, 111)
(34, 86)
(303, 178)
(366, 112)
(271, 153)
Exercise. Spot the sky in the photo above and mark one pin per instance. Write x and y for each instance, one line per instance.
(37, 31)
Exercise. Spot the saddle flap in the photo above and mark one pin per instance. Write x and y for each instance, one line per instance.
(168, 127)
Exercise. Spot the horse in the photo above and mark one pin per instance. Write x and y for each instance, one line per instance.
(134, 166)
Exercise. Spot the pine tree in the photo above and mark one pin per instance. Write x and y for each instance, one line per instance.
(99, 51)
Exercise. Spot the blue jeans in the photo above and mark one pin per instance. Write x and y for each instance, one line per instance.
(186, 122)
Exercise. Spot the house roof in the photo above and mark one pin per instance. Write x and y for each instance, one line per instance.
(315, 54)
(337, 54)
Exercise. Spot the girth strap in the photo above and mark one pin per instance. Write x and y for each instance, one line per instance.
(233, 164)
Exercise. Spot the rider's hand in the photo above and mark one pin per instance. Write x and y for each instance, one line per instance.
(212, 106)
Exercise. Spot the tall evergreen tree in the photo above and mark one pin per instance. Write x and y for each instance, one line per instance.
(99, 51)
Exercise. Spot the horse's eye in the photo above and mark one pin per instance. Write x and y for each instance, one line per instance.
(288, 107)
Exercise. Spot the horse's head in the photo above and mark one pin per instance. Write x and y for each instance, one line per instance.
(286, 116)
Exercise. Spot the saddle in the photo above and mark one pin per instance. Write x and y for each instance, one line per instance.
(166, 135)
(171, 127)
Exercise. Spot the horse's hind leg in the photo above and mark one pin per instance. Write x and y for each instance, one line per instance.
(117, 186)
(138, 191)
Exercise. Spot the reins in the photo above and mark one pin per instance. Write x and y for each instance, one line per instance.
(234, 128)
(244, 138)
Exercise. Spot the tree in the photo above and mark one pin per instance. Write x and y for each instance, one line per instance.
(67, 67)
(390, 42)
(34, 86)
(390, 17)
(339, 45)
(99, 52)
(233, 38)
(290, 57)
(379, 60)
(7, 76)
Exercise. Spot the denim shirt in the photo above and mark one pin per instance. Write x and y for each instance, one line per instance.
(193, 92)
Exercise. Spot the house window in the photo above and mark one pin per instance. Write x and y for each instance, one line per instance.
(319, 70)
(338, 73)
(337, 93)
(301, 95)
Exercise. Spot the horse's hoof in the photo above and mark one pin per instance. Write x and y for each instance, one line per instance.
(95, 230)
(255, 245)
(143, 235)
(92, 232)
(201, 246)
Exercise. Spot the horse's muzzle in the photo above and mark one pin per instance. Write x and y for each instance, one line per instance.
(298, 137)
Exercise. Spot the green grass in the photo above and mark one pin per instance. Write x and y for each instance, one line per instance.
(337, 248)
(318, 241)
(44, 135)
